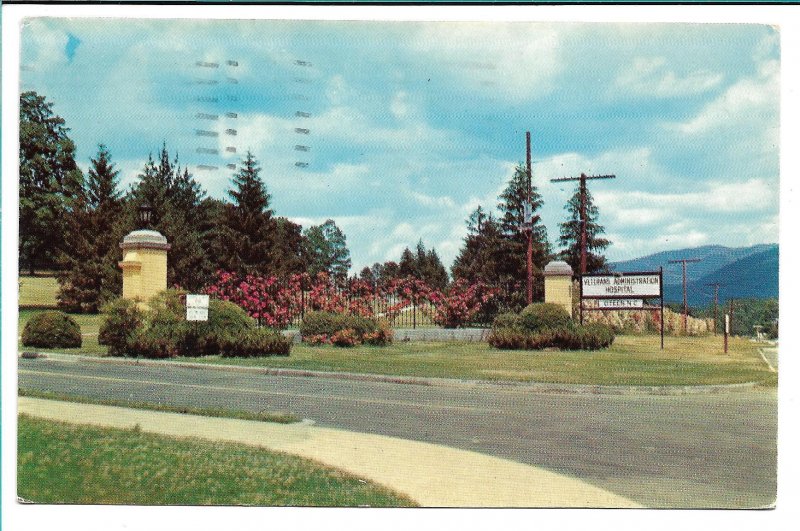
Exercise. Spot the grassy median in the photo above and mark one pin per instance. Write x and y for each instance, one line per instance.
(64, 463)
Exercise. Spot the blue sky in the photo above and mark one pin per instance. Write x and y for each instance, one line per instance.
(412, 125)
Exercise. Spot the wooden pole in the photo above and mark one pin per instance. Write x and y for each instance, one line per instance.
(529, 255)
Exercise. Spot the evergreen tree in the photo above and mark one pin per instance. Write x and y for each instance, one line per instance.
(512, 206)
(423, 264)
(495, 250)
(245, 233)
(407, 267)
(50, 183)
(326, 248)
(175, 199)
(288, 252)
(89, 275)
(571, 235)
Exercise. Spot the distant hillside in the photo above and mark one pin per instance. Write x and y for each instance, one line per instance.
(746, 272)
(713, 258)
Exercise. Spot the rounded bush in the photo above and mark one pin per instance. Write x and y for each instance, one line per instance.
(51, 329)
(122, 319)
(507, 320)
(224, 319)
(543, 315)
(255, 342)
(343, 329)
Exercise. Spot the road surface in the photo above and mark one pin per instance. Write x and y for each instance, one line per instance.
(703, 450)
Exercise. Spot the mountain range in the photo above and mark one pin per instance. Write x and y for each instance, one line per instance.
(742, 272)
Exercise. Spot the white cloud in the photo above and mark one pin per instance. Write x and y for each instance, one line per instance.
(650, 76)
(515, 61)
(44, 46)
(749, 101)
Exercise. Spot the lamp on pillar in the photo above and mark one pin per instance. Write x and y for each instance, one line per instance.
(144, 259)
(145, 215)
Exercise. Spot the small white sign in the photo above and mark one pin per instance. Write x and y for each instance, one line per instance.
(612, 286)
(620, 304)
(197, 307)
(727, 324)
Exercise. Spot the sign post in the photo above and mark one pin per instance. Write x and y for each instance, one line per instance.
(727, 331)
(196, 307)
(624, 291)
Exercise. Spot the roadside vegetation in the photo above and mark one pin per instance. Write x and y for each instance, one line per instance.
(63, 463)
(261, 416)
(630, 360)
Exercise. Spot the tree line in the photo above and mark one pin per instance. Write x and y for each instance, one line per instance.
(73, 223)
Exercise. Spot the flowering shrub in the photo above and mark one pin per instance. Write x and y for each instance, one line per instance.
(344, 330)
(345, 338)
(276, 303)
(462, 302)
(264, 299)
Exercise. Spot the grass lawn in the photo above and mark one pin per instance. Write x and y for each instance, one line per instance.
(64, 463)
(38, 291)
(631, 360)
(281, 417)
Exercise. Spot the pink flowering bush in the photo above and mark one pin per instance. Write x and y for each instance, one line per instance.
(462, 302)
(265, 299)
(276, 303)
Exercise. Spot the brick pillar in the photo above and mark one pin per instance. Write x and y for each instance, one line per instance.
(558, 284)
(144, 264)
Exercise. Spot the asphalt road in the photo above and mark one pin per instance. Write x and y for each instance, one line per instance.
(662, 451)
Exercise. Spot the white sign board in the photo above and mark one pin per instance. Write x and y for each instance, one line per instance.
(197, 307)
(614, 286)
(620, 304)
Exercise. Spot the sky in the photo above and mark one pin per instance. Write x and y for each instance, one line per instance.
(398, 130)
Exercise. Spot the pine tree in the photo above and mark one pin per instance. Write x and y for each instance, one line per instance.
(571, 235)
(50, 182)
(512, 206)
(245, 234)
(422, 264)
(89, 276)
(175, 198)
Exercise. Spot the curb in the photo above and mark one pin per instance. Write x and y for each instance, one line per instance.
(534, 387)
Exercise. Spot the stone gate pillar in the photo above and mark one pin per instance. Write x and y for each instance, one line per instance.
(558, 284)
(144, 264)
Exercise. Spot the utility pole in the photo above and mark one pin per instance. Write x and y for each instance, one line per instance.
(583, 178)
(685, 305)
(716, 302)
(528, 217)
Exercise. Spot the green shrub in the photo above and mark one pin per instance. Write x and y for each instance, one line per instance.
(163, 331)
(224, 319)
(595, 336)
(541, 315)
(122, 318)
(153, 342)
(507, 320)
(255, 342)
(329, 327)
(51, 329)
(589, 337)
(508, 338)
